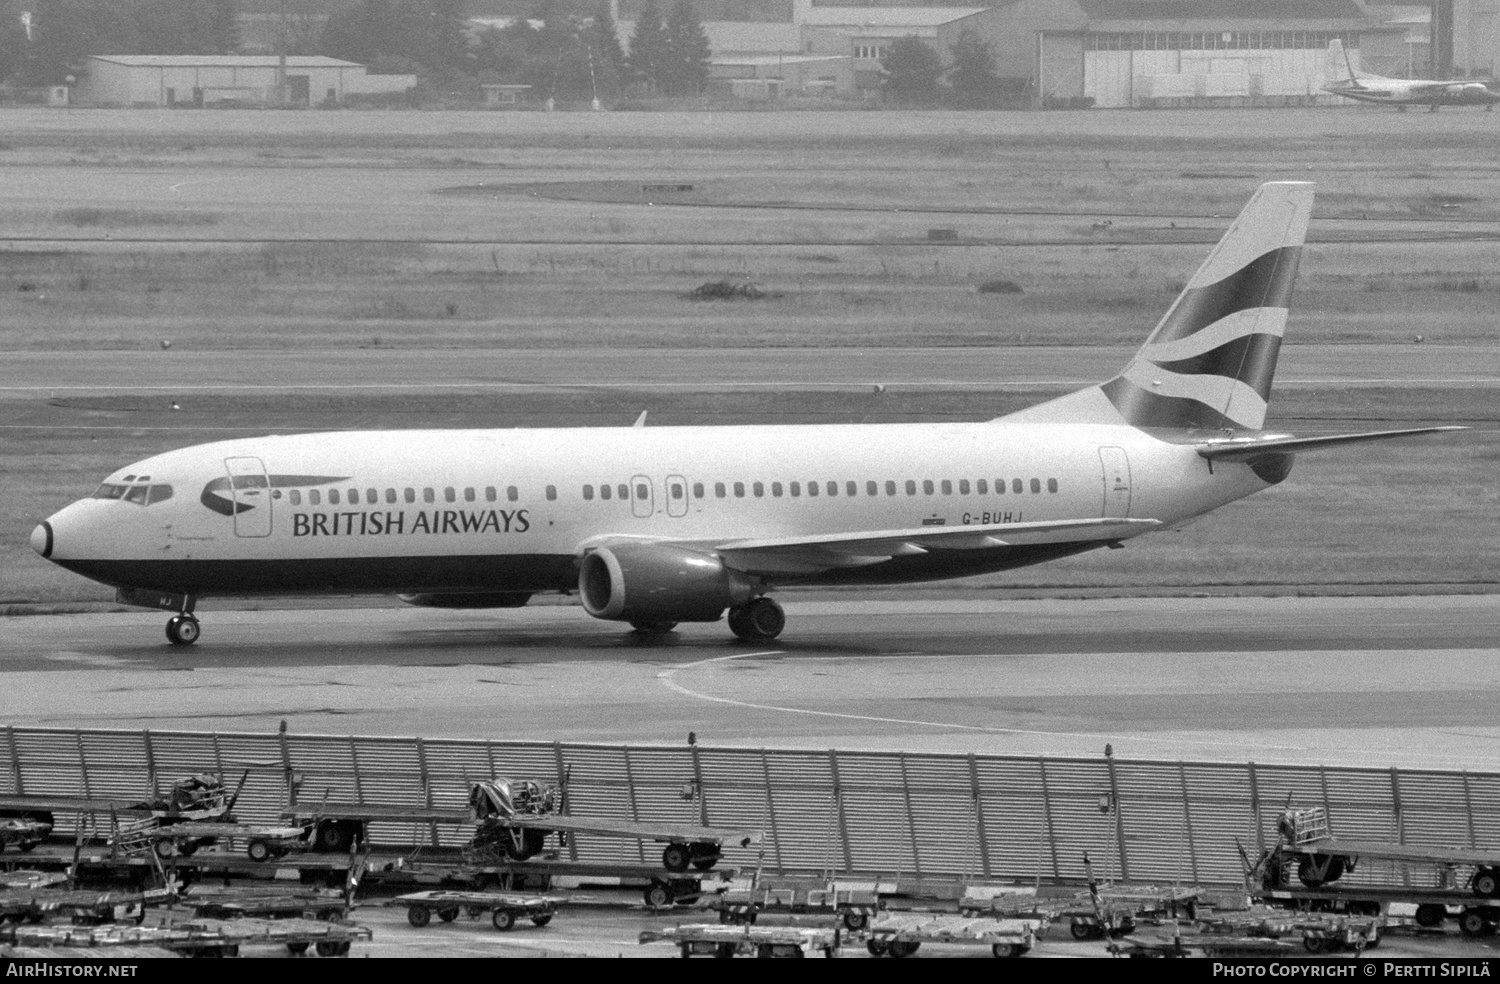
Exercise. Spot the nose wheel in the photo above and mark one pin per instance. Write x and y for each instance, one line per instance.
(182, 630)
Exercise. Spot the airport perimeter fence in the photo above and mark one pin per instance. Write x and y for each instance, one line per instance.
(999, 817)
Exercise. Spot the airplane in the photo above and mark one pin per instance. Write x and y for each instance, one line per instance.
(1409, 92)
(655, 526)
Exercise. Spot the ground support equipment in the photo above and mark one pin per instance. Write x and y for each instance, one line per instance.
(853, 907)
(716, 940)
(295, 904)
(25, 834)
(198, 937)
(505, 909)
(82, 907)
(902, 934)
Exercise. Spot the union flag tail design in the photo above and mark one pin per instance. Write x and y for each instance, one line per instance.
(1209, 363)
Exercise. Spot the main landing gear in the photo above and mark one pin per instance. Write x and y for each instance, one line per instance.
(757, 621)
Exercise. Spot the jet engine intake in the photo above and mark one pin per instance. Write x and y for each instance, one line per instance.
(475, 599)
(658, 582)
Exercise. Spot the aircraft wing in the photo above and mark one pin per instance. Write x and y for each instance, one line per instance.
(1244, 450)
(804, 554)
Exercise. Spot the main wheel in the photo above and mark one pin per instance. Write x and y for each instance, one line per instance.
(182, 630)
(760, 620)
(503, 919)
(419, 916)
(1486, 882)
(258, 850)
(676, 857)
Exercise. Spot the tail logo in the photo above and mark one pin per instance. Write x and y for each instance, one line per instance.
(1210, 362)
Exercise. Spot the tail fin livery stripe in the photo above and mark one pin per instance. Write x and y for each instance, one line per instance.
(1250, 359)
(1169, 400)
(1264, 283)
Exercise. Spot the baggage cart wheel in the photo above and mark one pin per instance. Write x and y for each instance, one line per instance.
(1430, 914)
(503, 919)
(419, 916)
(165, 848)
(856, 920)
(877, 946)
(1317, 944)
(725, 950)
(904, 948)
(676, 857)
(299, 947)
(448, 914)
(258, 850)
(541, 920)
(332, 948)
(1004, 950)
(1084, 930)
(658, 895)
(1486, 882)
(1475, 922)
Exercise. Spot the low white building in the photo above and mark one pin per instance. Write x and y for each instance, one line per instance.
(206, 80)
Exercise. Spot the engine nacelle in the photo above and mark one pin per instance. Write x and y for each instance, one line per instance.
(490, 599)
(657, 582)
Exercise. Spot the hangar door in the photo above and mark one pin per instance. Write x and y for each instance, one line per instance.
(1060, 65)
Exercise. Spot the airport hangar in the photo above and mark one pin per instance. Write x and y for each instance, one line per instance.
(1179, 53)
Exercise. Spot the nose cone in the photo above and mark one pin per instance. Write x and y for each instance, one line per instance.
(41, 539)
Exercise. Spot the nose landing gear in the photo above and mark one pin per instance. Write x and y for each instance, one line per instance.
(182, 630)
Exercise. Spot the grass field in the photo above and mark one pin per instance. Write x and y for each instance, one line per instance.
(303, 235)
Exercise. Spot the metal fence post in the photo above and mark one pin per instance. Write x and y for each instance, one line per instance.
(1119, 812)
(702, 794)
(1260, 834)
(15, 760)
(838, 806)
(911, 821)
(1041, 763)
(765, 771)
(150, 762)
(286, 765)
(1187, 816)
(426, 780)
(563, 781)
(635, 813)
(979, 821)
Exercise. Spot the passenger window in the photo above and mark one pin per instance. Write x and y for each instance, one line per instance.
(963, 486)
(605, 492)
(911, 487)
(759, 489)
(136, 494)
(812, 487)
(275, 493)
(1036, 485)
(489, 493)
(870, 488)
(1051, 485)
(947, 487)
(697, 490)
(927, 487)
(796, 489)
(372, 496)
(449, 494)
(390, 496)
(552, 493)
(719, 491)
(410, 495)
(675, 490)
(642, 491)
(890, 487)
(314, 497)
(469, 495)
(776, 489)
(739, 490)
(295, 495)
(982, 487)
(1016, 486)
(512, 493)
(999, 486)
(624, 491)
(428, 495)
(588, 493)
(333, 497)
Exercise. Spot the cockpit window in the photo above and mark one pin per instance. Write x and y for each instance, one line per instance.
(141, 495)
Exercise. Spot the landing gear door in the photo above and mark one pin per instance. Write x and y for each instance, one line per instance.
(251, 491)
(1116, 482)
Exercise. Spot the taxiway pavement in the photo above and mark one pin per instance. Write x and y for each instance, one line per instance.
(1408, 681)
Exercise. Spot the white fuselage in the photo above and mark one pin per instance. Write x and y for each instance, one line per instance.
(513, 510)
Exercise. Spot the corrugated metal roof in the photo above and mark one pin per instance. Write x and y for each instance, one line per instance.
(892, 17)
(225, 61)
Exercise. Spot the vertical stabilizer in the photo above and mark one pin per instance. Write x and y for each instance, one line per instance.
(1209, 363)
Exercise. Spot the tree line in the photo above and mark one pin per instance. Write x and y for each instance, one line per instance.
(915, 75)
(562, 57)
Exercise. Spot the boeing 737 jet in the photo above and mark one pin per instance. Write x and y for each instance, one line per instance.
(1402, 93)
(659, 525)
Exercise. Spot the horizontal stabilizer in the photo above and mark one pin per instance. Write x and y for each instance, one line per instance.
(1247, 449)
